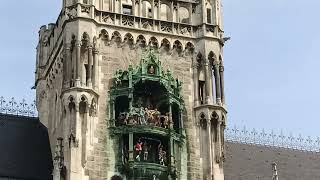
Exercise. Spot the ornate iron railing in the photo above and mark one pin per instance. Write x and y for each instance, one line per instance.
(18, 108)
(272, 139)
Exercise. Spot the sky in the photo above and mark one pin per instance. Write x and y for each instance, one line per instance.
(271, 61)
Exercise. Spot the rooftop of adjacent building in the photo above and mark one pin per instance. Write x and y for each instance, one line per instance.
(24, 148)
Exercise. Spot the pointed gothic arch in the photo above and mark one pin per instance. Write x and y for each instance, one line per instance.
(104, 35)
(177, 45)
(153, 42)
(116, 37)
(165, 44)
(141, 41)
(128, 39)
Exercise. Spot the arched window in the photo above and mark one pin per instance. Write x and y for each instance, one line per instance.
(106, 5)
(141, 41)
(184, 15)
(146, 9)
(165, 12)
(127, 7)
(209, 13)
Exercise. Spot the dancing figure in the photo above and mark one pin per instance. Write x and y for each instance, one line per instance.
(138, 149)
(145, 151)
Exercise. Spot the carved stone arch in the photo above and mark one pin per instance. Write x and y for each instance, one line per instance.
(183, 14)
(177, 45)
(73, 40)
(165, 11)
(189, 48)
(165, 44)
(104, 35)
(83, 104)
(116, 37)
(203, 120)
(215, 116)
(220, 58)
(209, 10)
(71, 103)
(153, 42)
(85, 39)
(116, 177)
(146, 7)
(93, 107)
(212, 58)
(199, 59)
(141, 41)
(223, 119)
(128, 38)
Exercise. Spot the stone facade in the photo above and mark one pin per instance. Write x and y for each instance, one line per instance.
(78, 56)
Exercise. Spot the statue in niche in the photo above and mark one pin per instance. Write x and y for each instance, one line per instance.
(166, 121)
(153, 116)
(93, 109)
(142, 116)
(162, 154)
(151, 70)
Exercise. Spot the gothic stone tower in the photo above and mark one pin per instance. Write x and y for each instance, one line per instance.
(134, 89)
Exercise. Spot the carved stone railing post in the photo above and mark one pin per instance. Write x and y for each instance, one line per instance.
(217, 82)
(95, 68)
(90, 58)
(78, 64)
(209, 98)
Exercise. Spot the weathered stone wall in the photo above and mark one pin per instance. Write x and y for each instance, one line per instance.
(49, 102)
(251, 162)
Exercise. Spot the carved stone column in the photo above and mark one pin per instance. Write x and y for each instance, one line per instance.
(78, 64)
(218, 147)
(115, 5)
(209, 98)
(159, 9)
(67, 66)
(131, 150)
(90, 57)
(101, 5)
(140, 8)
(221, 69)
(210, 148)
(217, 82)
(133, 11)
(95, 69)
(196, 84)
(170, 116)
(190, 13)
(152, 8)
(120, 7)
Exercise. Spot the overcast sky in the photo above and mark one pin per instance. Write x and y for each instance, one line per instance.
(271, 62)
